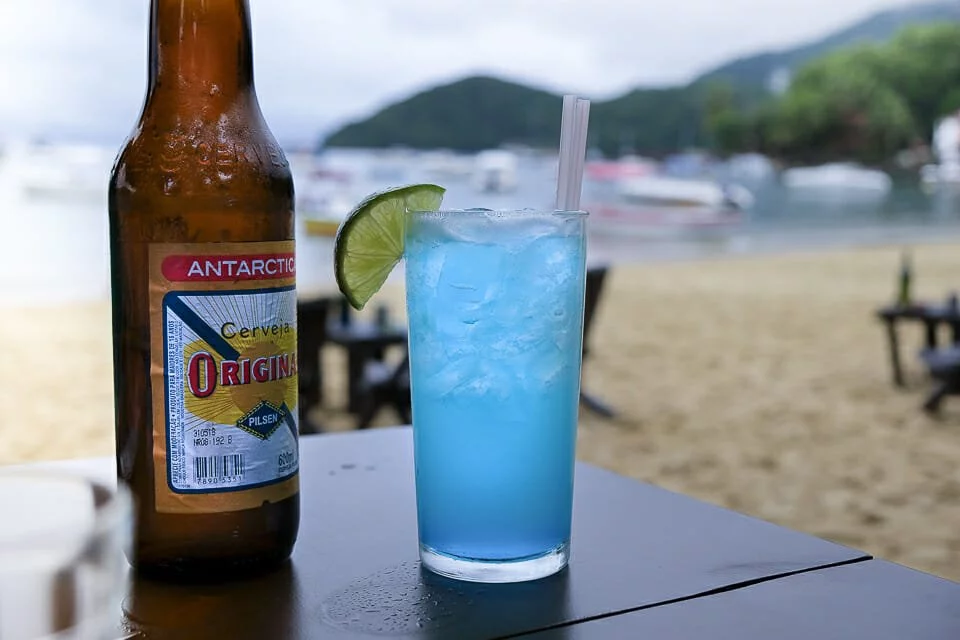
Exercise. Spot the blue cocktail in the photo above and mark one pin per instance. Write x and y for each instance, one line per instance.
(495, 312)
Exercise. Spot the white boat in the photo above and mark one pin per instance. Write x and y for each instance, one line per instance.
(946, 145)
(495, 171)
(614, 170)
(837, 177)
(749, 167)
(59, 171)
(446, 165)
(325, 219)
(324, 199)
(941, 175)
(680, 192)
(653, 222)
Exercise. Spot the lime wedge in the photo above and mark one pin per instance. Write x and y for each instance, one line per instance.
(369, 242)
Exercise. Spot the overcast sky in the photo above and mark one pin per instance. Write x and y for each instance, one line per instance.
(77, 67)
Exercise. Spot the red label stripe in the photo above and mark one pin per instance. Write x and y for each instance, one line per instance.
(229, 268)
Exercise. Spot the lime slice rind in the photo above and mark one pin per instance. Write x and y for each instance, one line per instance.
(369, 242)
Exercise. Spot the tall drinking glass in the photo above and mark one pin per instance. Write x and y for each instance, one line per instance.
(63, 571)
(495, 312)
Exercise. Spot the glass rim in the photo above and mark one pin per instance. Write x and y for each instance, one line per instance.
(112, 504)
(499, 213)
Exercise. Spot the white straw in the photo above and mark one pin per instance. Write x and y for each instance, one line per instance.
(573, 144)
(567, 124)
(582, 118)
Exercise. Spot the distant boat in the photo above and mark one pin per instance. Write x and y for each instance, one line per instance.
(324, 201)
(837, 177)
(613, 170)
(946, 143)
(687, 165)
(58, 171)
(447, 165)
(495, 171)
(749, 167)
(651, 221)
(390, 165)
(941, 175)
(325, 218)
(321, 227)
(679, 192)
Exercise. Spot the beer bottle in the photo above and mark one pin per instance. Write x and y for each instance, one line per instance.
(904, 295)
(204, 307)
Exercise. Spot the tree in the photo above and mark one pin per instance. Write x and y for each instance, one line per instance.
(923, 66)
(841, 107)
(865, 103)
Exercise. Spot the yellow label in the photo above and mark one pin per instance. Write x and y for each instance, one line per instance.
(223, 373)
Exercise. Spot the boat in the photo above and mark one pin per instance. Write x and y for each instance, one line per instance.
(495, 171)
(72, 172)
(945, 174)
(321, 227)
(651, 221)
(323, 216)
(324, 200)
(446, 165)
(687, 165)
(749, 168)
(946, 144)
(837, 177)
(386, 166)
(679, 192)
(614, 170)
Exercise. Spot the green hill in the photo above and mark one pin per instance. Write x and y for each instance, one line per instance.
(483, 112)
(475, 113)
(755, 71)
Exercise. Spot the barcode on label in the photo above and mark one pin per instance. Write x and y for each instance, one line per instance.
(218, 467)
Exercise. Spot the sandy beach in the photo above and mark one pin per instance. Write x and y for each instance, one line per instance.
(761, 384)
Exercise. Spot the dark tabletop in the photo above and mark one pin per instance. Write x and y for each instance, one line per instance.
(931, 312)
(355, 572)
(365, 332)
(872, 600)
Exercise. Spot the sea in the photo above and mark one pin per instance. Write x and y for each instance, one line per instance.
(55, 249)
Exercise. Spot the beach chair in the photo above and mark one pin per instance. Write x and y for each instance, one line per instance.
(385, 385)
(312, 319)
(944, 367)
(389, 385)
(596, 276)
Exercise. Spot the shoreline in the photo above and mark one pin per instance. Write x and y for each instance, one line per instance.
(324, 284)
(760, 383)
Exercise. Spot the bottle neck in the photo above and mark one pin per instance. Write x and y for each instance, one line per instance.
(201, 48)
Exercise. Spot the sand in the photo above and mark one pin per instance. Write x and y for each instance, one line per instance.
(761, 384)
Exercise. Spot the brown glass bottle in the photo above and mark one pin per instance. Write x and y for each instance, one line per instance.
(202, 179)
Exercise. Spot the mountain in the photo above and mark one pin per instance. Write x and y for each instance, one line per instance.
(475, 113)
(482, 112)
(756, 70)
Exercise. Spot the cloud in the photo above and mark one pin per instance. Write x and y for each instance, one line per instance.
(78, 67)
(69, 65)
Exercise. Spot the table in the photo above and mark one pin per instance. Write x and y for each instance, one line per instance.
(645, 563)
(931, 315)
(873, 600)
(327, 319)
(363, 341)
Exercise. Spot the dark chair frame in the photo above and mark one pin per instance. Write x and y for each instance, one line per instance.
(385, 385)
(312, 321)
(596, 277)
(944, 367)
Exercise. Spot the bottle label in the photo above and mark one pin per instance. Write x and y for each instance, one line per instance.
(223, 375)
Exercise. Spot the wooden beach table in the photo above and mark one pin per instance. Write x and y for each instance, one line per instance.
(363, 341)
(932, 316)
(646, 563)
(325, 319)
